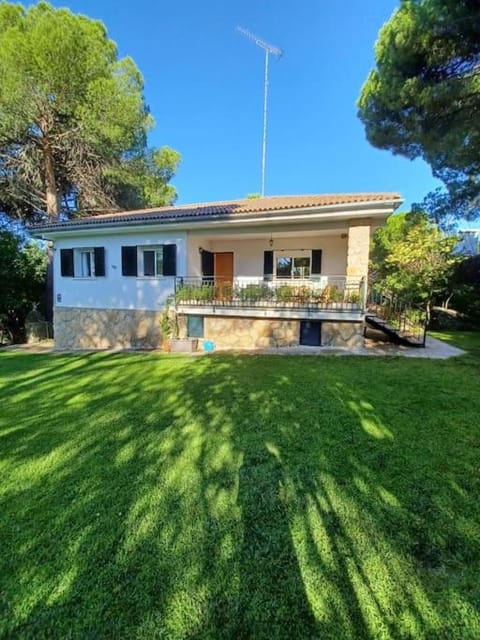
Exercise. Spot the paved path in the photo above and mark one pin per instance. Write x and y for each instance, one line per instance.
(435, 349)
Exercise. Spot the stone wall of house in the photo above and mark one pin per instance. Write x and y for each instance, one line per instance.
(80, 328)
(251, 333)
(342, 334)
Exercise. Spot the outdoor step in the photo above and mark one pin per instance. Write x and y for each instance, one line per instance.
(382, 325)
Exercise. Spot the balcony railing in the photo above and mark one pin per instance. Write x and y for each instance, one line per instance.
(322, 293)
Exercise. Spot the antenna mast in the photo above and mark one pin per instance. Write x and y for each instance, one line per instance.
(269, 49)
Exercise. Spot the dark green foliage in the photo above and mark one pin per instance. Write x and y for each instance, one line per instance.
(22, 282)
(423, 97)
(466, 287)
(147, 496)
(73, 119)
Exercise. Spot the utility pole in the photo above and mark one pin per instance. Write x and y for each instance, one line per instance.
(269, 49)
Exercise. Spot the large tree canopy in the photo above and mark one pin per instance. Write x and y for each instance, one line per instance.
(73, 119)
(423, 98)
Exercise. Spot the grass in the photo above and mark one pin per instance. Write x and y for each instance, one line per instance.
(148, 496)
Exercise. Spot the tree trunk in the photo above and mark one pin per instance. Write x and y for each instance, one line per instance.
(51, 193)
(53, 211)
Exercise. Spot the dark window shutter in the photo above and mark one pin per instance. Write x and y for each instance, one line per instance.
(208, 264)
(66, 263)
(169, 259)
(129, 261)
(316, 262)
(99, 256)
(267, 264)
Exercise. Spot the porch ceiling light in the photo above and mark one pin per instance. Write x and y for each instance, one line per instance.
(270, 242)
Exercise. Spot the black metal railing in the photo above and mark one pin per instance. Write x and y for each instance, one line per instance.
(408, 320)
(332, 293)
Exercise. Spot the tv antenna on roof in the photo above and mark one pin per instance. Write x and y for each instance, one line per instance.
(269, 49)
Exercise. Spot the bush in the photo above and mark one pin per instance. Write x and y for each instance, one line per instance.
(195, 293)
(23, 268)
(254, 292)
(466, 289)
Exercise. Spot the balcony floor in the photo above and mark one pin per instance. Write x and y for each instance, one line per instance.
(327, 313)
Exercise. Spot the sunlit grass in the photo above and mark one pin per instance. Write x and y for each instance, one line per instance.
(144, 496)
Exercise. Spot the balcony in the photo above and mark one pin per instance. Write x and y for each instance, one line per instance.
(315, 297)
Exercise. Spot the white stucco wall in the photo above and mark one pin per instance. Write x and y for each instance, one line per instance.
(248, 253)
(115, 291)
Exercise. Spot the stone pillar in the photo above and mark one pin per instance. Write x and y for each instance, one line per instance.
(358, 252)
(358, 247)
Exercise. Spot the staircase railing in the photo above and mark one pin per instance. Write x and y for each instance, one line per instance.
(408, 320)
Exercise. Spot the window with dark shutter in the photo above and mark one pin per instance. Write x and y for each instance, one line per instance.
(170, 260)
(129, 261)
(268, 265)
(208, 265)
(99, 259)
(316, 262)
(66, 263)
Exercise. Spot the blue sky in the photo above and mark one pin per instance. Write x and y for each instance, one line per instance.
(204, 85)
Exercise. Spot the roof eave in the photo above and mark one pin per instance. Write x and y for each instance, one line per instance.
(375, 208)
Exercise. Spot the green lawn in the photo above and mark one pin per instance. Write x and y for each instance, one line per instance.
(150, 496)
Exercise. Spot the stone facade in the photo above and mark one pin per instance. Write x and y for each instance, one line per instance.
(342, 334)
(251, 333)
(79, 328)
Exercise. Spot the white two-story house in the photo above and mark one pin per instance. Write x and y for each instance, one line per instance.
(244, 274)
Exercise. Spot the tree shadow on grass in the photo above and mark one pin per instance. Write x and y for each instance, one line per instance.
(220, 498)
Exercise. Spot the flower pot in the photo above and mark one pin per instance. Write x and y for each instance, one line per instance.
(185, 345)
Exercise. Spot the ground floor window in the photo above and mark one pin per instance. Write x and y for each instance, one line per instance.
(86, 263)
(195, 326)
(293, 265)
(310, 333)
(151, 261)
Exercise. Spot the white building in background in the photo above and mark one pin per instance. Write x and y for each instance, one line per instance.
(469, 244)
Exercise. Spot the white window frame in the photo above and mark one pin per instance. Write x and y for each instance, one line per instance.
(78, 264)
(291, 254)
(157, 248)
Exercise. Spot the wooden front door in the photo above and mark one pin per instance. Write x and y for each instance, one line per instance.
(224, 274)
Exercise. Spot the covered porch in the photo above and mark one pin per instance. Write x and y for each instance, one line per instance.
(299, 271)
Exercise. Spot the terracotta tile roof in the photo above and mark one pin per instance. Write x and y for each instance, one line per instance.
(226, 209)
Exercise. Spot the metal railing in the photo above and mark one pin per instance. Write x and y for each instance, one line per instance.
(408, 320)
(329, 293)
